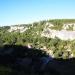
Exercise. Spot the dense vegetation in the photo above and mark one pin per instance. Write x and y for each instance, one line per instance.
(13, 50)
(32, 37)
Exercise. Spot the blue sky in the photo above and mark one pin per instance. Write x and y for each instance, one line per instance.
(28, 11)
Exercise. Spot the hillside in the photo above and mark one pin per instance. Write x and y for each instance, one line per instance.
(56, 37)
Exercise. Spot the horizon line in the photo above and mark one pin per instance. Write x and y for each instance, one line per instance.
(38, 21)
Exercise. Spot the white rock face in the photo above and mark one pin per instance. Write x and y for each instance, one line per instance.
(23, 30)
(63, 34)
(49, 24)
(66, 26)
(29, 46)
(72, 55)
(16, 28)
(50, 52)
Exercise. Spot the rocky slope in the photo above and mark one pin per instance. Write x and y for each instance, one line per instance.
(66, 32)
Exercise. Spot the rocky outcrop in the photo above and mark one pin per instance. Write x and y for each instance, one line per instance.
(69, 26)
(21, 29)
(62, 34)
